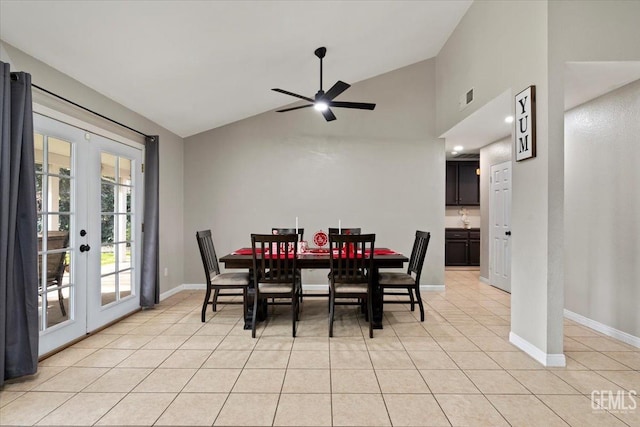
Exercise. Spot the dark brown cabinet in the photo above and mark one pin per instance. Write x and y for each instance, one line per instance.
(462, 247)
(462, 183)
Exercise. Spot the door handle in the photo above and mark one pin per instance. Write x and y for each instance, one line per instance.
(507, 233)
(85, 248)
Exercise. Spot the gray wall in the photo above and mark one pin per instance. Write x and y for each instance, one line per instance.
(501, 46)
(171, 148)
(381, 170)
(492, 154)
(602, 194)
(505, 45)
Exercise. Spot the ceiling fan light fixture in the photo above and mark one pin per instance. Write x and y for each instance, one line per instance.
(323, 100)
(321, 106)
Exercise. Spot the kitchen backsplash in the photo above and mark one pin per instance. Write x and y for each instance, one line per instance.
(453, 217)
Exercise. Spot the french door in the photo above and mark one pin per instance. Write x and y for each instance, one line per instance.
(89, 198)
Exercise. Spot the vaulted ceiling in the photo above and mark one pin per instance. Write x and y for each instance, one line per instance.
(191, 66)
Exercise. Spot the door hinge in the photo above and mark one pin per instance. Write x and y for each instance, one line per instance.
(142, 164)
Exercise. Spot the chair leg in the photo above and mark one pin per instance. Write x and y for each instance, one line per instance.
(370, 310)
(413, 302)
(332, 305)
(245, 304)
(216, 292)
(255, 314)
(61, 301)
(206, 301)
(419, 298)
(294, 313)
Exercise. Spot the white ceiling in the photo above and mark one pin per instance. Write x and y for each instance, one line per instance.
(191, 66)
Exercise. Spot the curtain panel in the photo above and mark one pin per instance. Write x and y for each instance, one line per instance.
(150, 278)
(18, 238)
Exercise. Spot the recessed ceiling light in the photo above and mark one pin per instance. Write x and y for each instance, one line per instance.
(320, 106)
(458, 148)
(454, 152)
(508, 119)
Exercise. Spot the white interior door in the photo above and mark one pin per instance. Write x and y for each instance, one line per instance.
(500, 230)
(89, 198)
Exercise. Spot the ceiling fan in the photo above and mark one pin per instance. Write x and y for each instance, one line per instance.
(324, 100)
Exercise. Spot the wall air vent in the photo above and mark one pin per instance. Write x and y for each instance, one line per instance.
(466, 99)
(468, 156)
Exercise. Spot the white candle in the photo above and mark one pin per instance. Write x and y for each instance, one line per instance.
(296, 225)
(339, 227)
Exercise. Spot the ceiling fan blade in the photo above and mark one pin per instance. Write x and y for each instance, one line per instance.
(293, 94)
(294, 108)
(357, 105)
(336, 90)
(328, 115)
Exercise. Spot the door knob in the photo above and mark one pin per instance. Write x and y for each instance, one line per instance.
(507, 233)
(85, 248)
(83, 233)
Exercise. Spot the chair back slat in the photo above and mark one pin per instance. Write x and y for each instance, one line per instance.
(351, 257)
(274, 257)
(420, 245)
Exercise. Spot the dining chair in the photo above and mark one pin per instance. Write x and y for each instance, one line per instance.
(56, 263)
(356, 230)
(300, 232)
(275, 273)
(217, 281)
(351, 276)
(409, 280)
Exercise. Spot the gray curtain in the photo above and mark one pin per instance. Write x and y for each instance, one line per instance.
(18, 239)
(150, 282)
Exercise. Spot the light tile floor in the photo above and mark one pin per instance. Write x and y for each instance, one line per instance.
(165, 367)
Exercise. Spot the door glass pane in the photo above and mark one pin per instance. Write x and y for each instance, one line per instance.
(117, 215)
(54, 198)
(124, 283)
(108, 229)
(57, 308)
(108, 288)
(124, 256)
(128, 226)
(124, 176)
(64, 191)
(40, 323)
(108, 167)
(38, 145)
(59, 154)
(108, 201)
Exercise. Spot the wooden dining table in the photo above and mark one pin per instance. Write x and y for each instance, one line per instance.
(317, 259)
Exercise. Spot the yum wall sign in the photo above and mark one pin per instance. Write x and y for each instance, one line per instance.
(525, 122)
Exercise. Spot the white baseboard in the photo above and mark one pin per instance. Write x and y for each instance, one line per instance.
(183, 287)
(427, 288)
(315, 287)
(485, 280)
(602, 328)
(548, 360)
